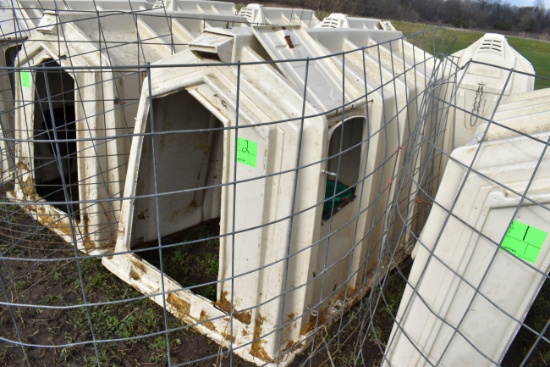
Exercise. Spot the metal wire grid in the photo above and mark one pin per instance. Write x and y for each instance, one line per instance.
(32, 255)
(530, 346)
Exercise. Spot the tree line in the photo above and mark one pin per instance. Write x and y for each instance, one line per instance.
(486, 14)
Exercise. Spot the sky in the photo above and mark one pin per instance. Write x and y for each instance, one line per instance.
(525, 2)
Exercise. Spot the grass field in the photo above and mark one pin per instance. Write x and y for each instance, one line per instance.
(537, 52)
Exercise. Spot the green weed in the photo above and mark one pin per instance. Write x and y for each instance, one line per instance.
(212, 264)
(208, 292)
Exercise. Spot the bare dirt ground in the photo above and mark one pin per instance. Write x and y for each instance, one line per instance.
(62, 304)
(56, 302)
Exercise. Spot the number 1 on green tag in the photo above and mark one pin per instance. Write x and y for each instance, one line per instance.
(524, 241)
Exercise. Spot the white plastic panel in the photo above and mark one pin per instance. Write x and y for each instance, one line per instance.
(512, 119)
(260, 15)
(209, 92)
(468, 291)
(526, 97)
(401, 69)
(8, 52)
(325, 82)
(202, 7)
(16, 20)
(34, 9)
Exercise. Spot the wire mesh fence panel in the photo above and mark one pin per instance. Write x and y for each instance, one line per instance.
(263, 178)
(481, 261)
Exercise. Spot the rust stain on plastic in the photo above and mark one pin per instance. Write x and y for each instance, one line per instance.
(289, 41)
(244, 316)
(88, 243)
(134, 275)
(228, 338)
(138, 264)
(183, 307)
(27, 186)
(351, 292)
(256, 349)
(53, 221)
(23, 166)
(291, 316)
(291, 344)
(224, 305)
(323, 317)
(205, 319)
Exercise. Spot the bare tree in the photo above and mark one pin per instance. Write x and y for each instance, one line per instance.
(497, 14)
(483, 4)
(539, 8)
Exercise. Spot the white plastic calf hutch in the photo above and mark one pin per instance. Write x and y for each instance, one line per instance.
(57, 102)
(16, 26)
(487, 77)
(191, 192)
(481, 260)
(489, 71)
(99, 162)
(19, 18)
(279, 273)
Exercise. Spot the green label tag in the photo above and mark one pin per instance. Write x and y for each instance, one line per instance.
(524, 241)
(26, 79)
(246, 152)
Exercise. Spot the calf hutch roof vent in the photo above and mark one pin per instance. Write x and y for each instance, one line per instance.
(338, 20)
(334, 20)
(260, 15)
(492, 44)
